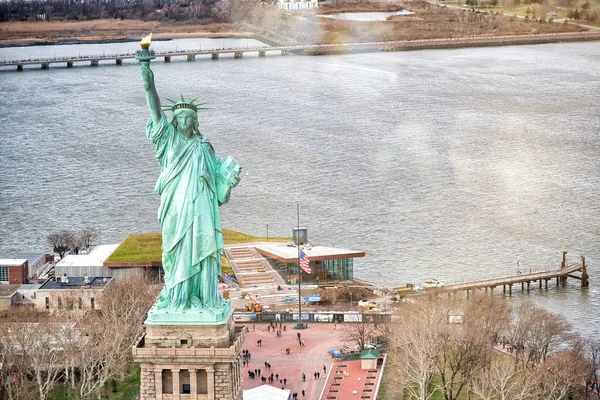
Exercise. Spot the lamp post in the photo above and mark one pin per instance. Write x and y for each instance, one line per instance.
(267, 232)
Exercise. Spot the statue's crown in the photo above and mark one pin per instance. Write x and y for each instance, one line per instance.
(178, 105)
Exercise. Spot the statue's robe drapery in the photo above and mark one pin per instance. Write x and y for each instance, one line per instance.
(189, 218)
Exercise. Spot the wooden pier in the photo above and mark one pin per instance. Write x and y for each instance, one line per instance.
(525, 280)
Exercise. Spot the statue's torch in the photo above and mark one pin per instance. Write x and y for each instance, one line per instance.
(145, 54)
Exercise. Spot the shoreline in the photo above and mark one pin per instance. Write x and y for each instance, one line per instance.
(22, 42)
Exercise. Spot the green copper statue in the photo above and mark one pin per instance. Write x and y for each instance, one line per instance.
(193, 183)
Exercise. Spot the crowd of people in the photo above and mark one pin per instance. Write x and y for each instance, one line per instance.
(267, 375)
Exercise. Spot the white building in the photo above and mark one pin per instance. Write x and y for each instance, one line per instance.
(297, 4)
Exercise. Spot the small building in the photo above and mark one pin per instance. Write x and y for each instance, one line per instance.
(73, 294)
(291, 5)
(8, 295)
(266, 392)
(36, 260)
(368, 359)
(327, 263)
(93, 264)
(13, 271)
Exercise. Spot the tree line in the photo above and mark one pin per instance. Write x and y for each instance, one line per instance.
(200, 11)
(40, 351)
(67, 240)
(487, 348)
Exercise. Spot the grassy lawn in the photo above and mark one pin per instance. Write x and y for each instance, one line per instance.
(146, 247)
(389, 389)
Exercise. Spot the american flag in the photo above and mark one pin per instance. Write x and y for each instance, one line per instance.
(304, 262)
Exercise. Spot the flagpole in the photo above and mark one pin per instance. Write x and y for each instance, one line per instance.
(300, 324)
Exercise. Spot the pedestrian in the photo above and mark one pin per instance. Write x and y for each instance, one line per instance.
(277, 376)
(284, 328)
(248, 353)
(266, 363)
(303, 392)
(318, 375)
(298, 334)
(295, 396)
(324, 369)
(259, 372)
(253, 327)
(269, 328)
(269, 365)
(281, 383)
(284, 381)
(303, 377)
(315, 374)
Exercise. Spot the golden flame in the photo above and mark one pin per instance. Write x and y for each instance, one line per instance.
(146, 41)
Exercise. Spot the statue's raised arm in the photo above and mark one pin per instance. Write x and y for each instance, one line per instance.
(151, 94)
(144, 56)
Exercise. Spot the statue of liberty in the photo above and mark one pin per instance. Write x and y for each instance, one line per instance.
(193, 183)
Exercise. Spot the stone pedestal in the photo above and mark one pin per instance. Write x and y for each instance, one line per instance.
(196, 362)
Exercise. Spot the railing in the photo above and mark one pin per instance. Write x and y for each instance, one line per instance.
(191, 351)
(508, 280)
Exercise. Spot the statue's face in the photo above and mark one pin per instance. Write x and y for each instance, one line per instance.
(185, 119)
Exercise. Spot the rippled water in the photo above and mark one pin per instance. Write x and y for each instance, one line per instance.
(447, 164)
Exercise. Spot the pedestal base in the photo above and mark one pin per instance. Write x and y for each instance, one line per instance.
(189, 317)
(196, 362)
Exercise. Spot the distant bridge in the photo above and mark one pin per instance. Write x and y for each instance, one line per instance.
(525, 280)
(341, 48)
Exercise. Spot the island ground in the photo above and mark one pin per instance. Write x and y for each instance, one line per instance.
(429, 21)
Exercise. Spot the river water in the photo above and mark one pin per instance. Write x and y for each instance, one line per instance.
(446, 164)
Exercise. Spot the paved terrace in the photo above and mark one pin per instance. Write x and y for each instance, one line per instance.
(318, 339)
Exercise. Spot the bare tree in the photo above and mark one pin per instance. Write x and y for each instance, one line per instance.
(505, 380)
(536, 333)
(593, 355)
(359, 333)
(110, 333)
(37, 345)
(562, 375)
(489, 315)
(61, 242)
(413, 345)
(87, 236)
(462, 354)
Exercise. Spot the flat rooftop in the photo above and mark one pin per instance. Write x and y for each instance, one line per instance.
(8, 290)
(11, 262)
(76, 282)
(288, 252)
(95, 258)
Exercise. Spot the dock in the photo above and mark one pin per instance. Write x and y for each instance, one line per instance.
(525, 280)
